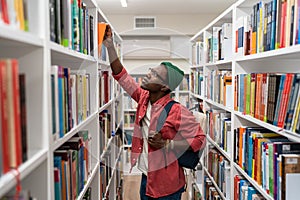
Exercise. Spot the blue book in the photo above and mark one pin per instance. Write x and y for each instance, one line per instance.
(241, 92)
(273, 25)
(242, 183)
(61, 101)
(251, 191)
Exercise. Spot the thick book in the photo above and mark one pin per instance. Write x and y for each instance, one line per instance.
(13, 103)
(290, 166)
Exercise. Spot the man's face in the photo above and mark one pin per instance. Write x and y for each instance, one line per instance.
(155, 79)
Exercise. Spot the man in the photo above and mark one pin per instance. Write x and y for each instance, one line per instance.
(156, 153)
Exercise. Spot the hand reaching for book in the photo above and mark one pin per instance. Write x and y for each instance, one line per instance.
(108, 40)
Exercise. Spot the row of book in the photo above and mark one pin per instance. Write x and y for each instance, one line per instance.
(219, 43)
(243, 190)
(219, 87)
(108, 165)
(13, 120)
(185, 84)
(105, 83)
(271, 25)
(70, 97)
(14, 13)
(71, 25)
(72, 166)
(270, 97)
(129, 103)
(105, 122)
(210, 191)
(219, 168)
(216, 46)
(129, 118)
(265, 157)
(197, 82)
(218, 128)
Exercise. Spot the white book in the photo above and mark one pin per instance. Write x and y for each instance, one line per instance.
(73, 84)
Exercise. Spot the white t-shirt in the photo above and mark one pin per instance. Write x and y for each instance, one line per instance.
(143, 159)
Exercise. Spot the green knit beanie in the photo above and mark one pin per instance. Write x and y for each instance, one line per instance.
(175, 75)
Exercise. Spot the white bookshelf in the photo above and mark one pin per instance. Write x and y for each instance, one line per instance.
(284, 60)
(36, 54)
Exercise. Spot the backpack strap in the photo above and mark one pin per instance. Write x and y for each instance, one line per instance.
(163, 115)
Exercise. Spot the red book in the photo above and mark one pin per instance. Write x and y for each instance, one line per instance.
(285, 99)
(283, 24)
(236, 188)
(106, 86)
(4, 117)
(4, 11)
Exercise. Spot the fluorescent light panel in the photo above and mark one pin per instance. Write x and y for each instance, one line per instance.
(124, 3)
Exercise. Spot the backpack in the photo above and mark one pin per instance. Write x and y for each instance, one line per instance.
(189, 159)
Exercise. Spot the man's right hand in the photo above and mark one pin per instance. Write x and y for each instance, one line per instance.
(108, 40)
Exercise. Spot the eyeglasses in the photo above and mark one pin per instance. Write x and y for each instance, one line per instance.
(156, 75)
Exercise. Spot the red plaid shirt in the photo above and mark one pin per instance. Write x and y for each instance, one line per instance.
(161, 180)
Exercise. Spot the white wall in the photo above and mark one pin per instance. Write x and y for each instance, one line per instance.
(168, 24)
(141, 66)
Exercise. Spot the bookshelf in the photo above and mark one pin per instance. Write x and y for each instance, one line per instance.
(70, 98)
(232, 74)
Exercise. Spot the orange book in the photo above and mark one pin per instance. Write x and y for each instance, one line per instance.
(101, 32)
(242, 131)
(236, 93)
(264, 98)
(283, 24)
(4, 117)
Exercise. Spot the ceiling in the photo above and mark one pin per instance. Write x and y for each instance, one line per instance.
(169, 7)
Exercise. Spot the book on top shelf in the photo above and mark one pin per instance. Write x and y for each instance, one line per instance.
(101, 31)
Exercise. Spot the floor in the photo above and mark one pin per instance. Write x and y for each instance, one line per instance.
(131, 187)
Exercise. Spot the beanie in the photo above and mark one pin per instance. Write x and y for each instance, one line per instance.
(175, 75)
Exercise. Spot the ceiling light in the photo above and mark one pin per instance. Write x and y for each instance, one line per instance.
(124, 3)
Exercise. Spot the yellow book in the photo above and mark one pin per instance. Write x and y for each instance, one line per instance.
(20, 13)
(296, 116)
